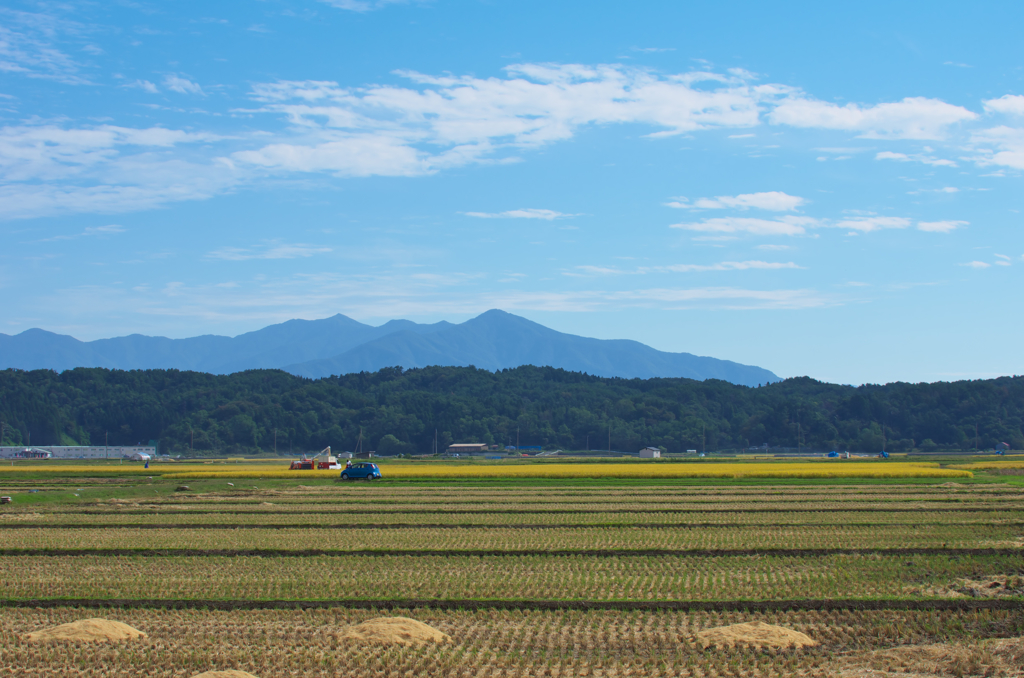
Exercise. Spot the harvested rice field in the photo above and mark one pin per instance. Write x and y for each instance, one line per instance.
(560, 578)
(313, 644)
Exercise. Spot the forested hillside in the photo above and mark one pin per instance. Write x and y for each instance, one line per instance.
(398, 411)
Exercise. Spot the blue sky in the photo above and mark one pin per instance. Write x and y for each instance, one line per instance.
(819, 190)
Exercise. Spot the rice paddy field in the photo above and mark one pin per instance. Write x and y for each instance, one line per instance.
(566, 574)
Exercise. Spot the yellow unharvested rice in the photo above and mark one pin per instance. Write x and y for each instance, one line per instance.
(831, 468)
(995, 463)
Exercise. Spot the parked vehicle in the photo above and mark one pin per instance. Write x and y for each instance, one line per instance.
(361, 471)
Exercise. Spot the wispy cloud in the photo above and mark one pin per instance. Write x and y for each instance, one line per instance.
(684, 268)
(870, 223)
(977, 264)
(144, 85)
(1012, 104)
(181, 85)
(110, 229)
(49, 170)
(782, 226)
(915, 157)
(29, 46)
(1000, 146)
(940, 226)
(730, 266)
(273, 250)
(449, 121)
(531, 213)
(775, 201)
(911, 118)
(362, 5)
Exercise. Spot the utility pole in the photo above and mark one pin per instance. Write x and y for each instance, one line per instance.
(609, 438)
(106, 436)
(275, 442)
(588, 442)
(975, 436)
(703, 438)
(517, 438)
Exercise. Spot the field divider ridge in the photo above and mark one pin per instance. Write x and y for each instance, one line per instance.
(593, 553)
(477, 604)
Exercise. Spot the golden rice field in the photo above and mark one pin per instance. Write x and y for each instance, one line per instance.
(832, 468)
(995, 463)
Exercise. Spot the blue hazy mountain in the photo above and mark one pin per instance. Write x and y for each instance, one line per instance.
(340, 345)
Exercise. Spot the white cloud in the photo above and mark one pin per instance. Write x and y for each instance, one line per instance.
(868, 224)
(1009, 142)
(547, 215)
(600, 270)
(49, 152)
(48, 170)
(775, 201)
(272, 250)
(1012, 104)
(451, 121)
(915, 157)
(28, 46)
(781, 226)
(346, 155)
(912, 118)
(939, 226)
(181, 85)
(144, 85)
(774, 248)
(690, 268)
(104, 230)
(730, 266)
(361, 5)
(437, 122)
(977, 264)
(110, 229)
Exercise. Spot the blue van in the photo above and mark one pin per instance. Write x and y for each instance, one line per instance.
(364, 470)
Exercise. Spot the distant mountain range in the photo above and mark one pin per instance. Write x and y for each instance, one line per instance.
(340, 345)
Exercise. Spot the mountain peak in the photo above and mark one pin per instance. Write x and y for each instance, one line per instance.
(492, 340)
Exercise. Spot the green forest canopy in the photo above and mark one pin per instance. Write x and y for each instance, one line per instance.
(398, 411)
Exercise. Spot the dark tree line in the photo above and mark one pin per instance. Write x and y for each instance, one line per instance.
(398, 411)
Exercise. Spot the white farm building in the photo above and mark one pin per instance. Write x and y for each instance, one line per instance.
(79, 451)
(650, 453)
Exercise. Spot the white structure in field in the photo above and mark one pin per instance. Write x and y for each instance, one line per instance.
(650, 453)
(79, 451)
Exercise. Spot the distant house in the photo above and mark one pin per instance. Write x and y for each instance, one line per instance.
(461, 448)
(140, 456)
(32, 453)
(1002, 447)
(650, 453)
